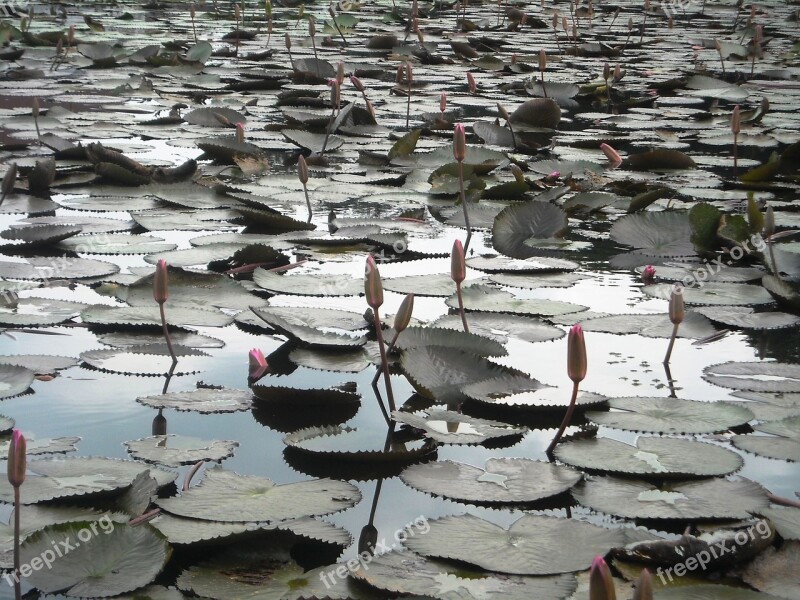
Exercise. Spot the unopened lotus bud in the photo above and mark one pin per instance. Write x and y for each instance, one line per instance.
(576, 354)
(268, 8)
(340, 73)
(17, 459)
(644, 587)
(459, 143)
(257, 365)
(35, 108)
(458, 266)
(71, 35)
(618, 73)
(601, 584)
(513, 58)
(606, 71)
(648, 274)
(555, 20)
(736, 121)
(160, 282)
(192, 11)
(334, 92)
(630, 22)
(238, 12)
(357, 83)
(442, 102)
(677, 309)
(611, 154)
(240, 132)
(331, 12)
(542, 60)
(312, 29)
(409, 73)
(503, 112)
(302, 170)
(373, 287)
(403, 316)
(473, 86)
(565, 24)
(287, 41)
(398, 77)
(10, 179)
(519, 176)
(769, 221)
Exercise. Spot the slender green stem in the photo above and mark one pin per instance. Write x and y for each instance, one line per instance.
(565, 422)
(461, 307)
(464, 204)
(17, 505)
(772, 260)
(167, 337)
(384, 361)
(308, 202)
(671, 343)
(391, 347)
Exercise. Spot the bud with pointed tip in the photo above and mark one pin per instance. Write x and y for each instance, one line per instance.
(287, 41)
(409, 73)
(648, 274)
(565, 24)
(611, 154)
(555, 20)
(458, 266)
(312, 28)
(240, 132)
(10, 179)
(357, 83)
(35, 108)
(160, 282)
(257, 365)
(398, 76)
(403, 316)
(459, 142)
(576, 354)
(601, 584)
(503, 112)
(442, 102)
(340, 73)
(519, 176)
(736, 121)
(71, 35)
(473, 86)
(644, 587)
(302, 170)
(373, 286)
(192, 12)
(238, 12)
(677, 309)
(335, 97)
(542, 60)
(618, 73)
(606, 71)
(16, 459)
(769, 222)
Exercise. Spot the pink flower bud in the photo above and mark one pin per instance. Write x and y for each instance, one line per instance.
(644, 587)
(612, 155)
(302, 170)
(240, 132)
(16, 459)
(736, 121)
(473, 87)
(542, 60)
(357, 83)
(373, 287)
(601, 584)
(403, 316)
(443, 102)
(648, 274)
(576, 354)
(340, 73)
(312, 28)
(257, 365)
(35, 108)
(287, 41)
(160, 282)
(459, 143)
(458, 267)
(555, 175)
(677, 309)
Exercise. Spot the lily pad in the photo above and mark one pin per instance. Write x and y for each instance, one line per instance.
(755, 376)
(177, 315)
(710, 591)
(308, 337)
(655, 233)
(670, 415)
(14, 380)
(784, 446)
(258, 498)
(501, 328)
(414, 337)
(356, 445)
(504, 480)
(41, 364)
(119, 243)
(534, 264)
(176, 450)
(652, 456)
(33, 312)
(785, 520)
(775, 571)
(203, 400)
(489, 299)
(694, 325)
(36, 447)
(449, 427)
(530, 220)
(308, 285)
(728, 294)
(151, 359)
(314, 142)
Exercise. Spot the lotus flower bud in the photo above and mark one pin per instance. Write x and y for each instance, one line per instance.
(192, 12)
(160, 282)
(618, 73)
(409, 73)
(287, 41)
(736, 121)
(312, 28)
(677, 309)
(644, 587)
(357, 83)
(302, 170)
(473, 87)
(240, 132)
(542, 60)
(403, 316)
(519, 176)
(238, 12)
(331, 12)
(398, 77)
(555, 20)
(373, 287)
(769, 221)
(257, 365)
(458, 266)
(611, 154)
(576, 354)
(268, 8)
(648, 274)
(16, 459)
(459, 143)
(443, 102)
(335, 97)
(35, 108)
(340, 73)
(601, 584)
(565, 24)
(71, 35)
(503, 112)
(9, 179)
(606, 71)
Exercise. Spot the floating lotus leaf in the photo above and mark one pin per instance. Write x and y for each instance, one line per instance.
(201, 255)
(770, 407)
(39, 311)
(351, 361)
(786, 446)
(314, 142)
(492, 134)
(203, 400)
(186, 220)
(225, 148)
(538, 112)
(658, 160)
(729, 294)
(531, 282)
(41, 364)
(488, 299)
(151, 359)
(707, 271)
(308, 337)
(660, 234)
(177, 315)
(745, 318)
(706, 499)
(654, 456)
(125, 339)
(307, 316)
(308, 285)
(414, 337)
(694, 325)
(14, 380)
(176, 450)
(755, 376)
(38, 235)
(534, 544)
(35, 447)
(116, 559)
(775, 571)
(670, 415)
(423, 285)
(290, 397)
(79, 476)
(119, 243)
(258, 498)
(500, 327)
(504, 480)
(785, 520)
(710, 591)
(137, 499)
(214, 116)
(440, 373)
(710, 87)
(359, 445)
(6, 424)
(534, 264)
(521, 222)
(449, 427)
(522, 393)
(406, 573)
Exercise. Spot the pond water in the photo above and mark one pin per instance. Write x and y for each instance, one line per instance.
(650, 109)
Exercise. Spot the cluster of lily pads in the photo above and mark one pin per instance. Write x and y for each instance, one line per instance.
(296, 141)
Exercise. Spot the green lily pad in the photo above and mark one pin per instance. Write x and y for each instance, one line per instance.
(488, 299)
(775, 571)
(519, 223)
(522, 393)
(314, 142)
(119, 243)
(258, 498)
(152, 359)
(357, 445)
(62, 267)
(177, 315)
(693, 326)
(660, 234)
(784, 446)
(36, 447)
(32, 312)
(504, 480)
(501, 327)
(176, 450)
(203, 400)
(14, 380)
(755, 376)
(41, 364)
(785, 520)
(729, 294)
(654, 456)
(414, 337)
(745, 318)
(534, 264)
(449, 427)
(308, 337)
(710, 591)
(308, 285)
(670, 415)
